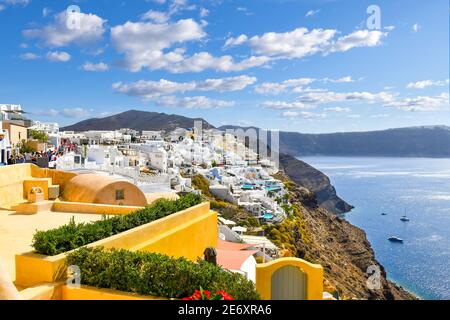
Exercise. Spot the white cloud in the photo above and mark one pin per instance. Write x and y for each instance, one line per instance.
(29, 56)
(273, 88)
(337, 110)
(2, 7)
(156, 16)
(244, 10)
(198, 102)
(302, 114)
(360, 38)
(416, 27)
(427, 83)
(22, 3)
(95, 67)
(230, 42)
(346, 79)
(294, 44)
(146, 45)
(283, 105)
(46, 11)
(56, 34)
(204, 12)
(58, 56)
(325, 97)
(302, 42)
(311, 13)
(152, 89)
(421, 103)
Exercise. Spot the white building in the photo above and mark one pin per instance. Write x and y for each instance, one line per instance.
(151, 135)
(5, 146)
(47, 127)
(154, 155)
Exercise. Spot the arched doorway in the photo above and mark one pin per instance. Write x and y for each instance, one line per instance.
(289, 283)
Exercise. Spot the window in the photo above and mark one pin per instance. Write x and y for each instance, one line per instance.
(120, 194)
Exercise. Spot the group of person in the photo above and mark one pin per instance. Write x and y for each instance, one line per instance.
(51, 155)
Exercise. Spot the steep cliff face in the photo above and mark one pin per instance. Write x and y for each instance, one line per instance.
(319, 236)
(312, 179)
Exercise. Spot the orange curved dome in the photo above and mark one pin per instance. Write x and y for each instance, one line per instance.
(92, 188)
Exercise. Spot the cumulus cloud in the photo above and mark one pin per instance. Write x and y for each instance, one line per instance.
(302, 42)
(421, 103)
(284, 105)
(58, 56)
(56, 34)
(231, 42)
(360, 38)
(273, 88)
(325, 97)
(302, 114)
(29, 56)
(156, 16)
(427, 83)
(296, 85)
(337, 110)
(152, 89)
(293, 44)
(197, 102)
(95, 67)
(147, 45)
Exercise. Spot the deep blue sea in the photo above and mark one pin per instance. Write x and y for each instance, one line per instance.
(421, 186)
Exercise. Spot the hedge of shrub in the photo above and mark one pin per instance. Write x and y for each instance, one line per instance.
(155, 274)
(72, 235)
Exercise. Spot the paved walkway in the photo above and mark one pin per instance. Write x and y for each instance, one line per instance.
(16, 231)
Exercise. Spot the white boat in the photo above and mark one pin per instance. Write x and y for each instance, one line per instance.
(404, 218)
(395, 239)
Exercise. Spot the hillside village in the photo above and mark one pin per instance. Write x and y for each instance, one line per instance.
(262, 217)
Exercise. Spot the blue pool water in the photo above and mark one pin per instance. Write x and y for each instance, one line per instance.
(268, 216)
(422, 187)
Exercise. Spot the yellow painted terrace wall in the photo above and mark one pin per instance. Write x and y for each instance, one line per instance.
(11, 184)
(12, 177)
(184, 234)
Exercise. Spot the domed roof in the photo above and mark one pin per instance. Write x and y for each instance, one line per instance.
(92, 188)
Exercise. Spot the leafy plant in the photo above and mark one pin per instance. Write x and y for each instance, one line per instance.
(41, 136)
(72, 235)
(156, 274)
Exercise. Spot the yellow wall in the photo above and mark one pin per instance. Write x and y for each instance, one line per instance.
(314, 275)
(11, 184)
(186, 233)
(90, 293)
(12, 178)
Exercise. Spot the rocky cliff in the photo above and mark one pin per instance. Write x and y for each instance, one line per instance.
(320, 236)
(314, 180)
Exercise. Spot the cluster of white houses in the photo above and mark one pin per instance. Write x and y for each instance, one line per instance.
(159, 161)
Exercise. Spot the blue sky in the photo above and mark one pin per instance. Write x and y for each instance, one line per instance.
(308, 66)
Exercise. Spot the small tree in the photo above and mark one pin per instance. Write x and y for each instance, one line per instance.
(41, 136)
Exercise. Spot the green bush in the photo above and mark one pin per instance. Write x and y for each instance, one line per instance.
(155, 274)
(72, 235)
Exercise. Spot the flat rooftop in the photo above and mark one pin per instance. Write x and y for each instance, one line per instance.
(17, 230)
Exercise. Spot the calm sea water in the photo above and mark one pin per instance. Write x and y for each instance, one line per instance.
(422, 187)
